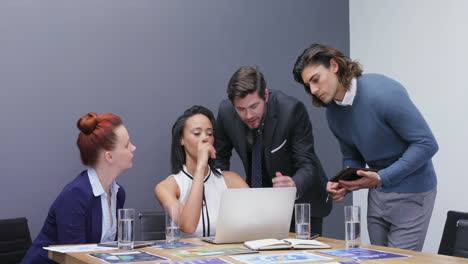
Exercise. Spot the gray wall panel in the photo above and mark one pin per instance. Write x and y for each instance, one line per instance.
(145, 61)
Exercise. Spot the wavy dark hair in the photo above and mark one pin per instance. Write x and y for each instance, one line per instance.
(318, 54)
(177, 150)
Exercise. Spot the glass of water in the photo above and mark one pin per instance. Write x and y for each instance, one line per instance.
(125, 228)
(352, 226)
(173, 213)
(302, 213)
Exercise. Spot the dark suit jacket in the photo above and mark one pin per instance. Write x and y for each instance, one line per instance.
(288, 147)
(75, 217)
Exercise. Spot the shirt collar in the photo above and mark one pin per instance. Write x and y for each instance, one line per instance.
(96, 183)
(349, 95)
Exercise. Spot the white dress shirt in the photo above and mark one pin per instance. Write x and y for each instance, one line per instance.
(213, 185)
(108, 231)
(349, 95)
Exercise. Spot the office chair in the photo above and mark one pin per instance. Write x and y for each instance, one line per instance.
(447, 243)
(15, 239)
(152, 225)
(461, 239)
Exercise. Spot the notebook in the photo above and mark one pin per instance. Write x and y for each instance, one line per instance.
(254, 213)
(290, 243)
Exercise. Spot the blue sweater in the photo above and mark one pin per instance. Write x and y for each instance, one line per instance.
(385, 130)
(75, 217)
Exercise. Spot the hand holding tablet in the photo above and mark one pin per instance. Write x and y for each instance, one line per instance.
(349, 174)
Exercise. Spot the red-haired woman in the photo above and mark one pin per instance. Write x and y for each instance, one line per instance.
(85, 210)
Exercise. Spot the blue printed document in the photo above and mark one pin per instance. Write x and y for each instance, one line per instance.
(164, 245)
(127, 257)
(200, 261)
(279, 258)
(361, 254)
(210, 252)
(342, 262)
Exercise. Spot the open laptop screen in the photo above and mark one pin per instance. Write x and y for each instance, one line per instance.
(254, 213)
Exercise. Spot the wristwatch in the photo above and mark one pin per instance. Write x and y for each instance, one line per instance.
(379, 183)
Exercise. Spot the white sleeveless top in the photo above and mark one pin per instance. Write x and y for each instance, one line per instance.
(214, 185)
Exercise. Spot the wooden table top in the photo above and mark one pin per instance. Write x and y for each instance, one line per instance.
(416, 257)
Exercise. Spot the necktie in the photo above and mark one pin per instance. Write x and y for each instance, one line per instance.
(256, 180)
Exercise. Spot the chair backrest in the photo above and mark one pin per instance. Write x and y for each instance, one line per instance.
(15, 239)
(152, 225)
(461, 239)
(447, 242)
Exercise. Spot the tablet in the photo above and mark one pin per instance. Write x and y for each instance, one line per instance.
(349, 174)
(136, 244)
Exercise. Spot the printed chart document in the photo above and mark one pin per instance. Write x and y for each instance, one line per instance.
(164, 245)
(361, 254)
(279, 258)
(342, 262)
(126, 257)
(271, 243)
(209, 252)
(78, 248)
(201, 261)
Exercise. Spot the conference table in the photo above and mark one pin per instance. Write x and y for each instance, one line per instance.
(415, 257)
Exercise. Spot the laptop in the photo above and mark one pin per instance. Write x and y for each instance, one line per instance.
(254, 213)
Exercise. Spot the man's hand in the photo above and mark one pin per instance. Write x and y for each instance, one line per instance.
(283, 181)
(336, 191)
(369, 179)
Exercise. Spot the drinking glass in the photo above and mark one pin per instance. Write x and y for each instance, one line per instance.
(126, 228)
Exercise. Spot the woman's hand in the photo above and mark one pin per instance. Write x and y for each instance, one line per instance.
(205, 152)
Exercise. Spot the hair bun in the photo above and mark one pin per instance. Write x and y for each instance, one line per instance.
(87, 123)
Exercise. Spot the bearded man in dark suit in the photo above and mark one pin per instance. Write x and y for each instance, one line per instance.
(272, 134)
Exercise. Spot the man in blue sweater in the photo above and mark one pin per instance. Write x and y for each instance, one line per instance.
(376, 125)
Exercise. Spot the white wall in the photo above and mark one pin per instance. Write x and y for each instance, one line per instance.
(423, 44)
